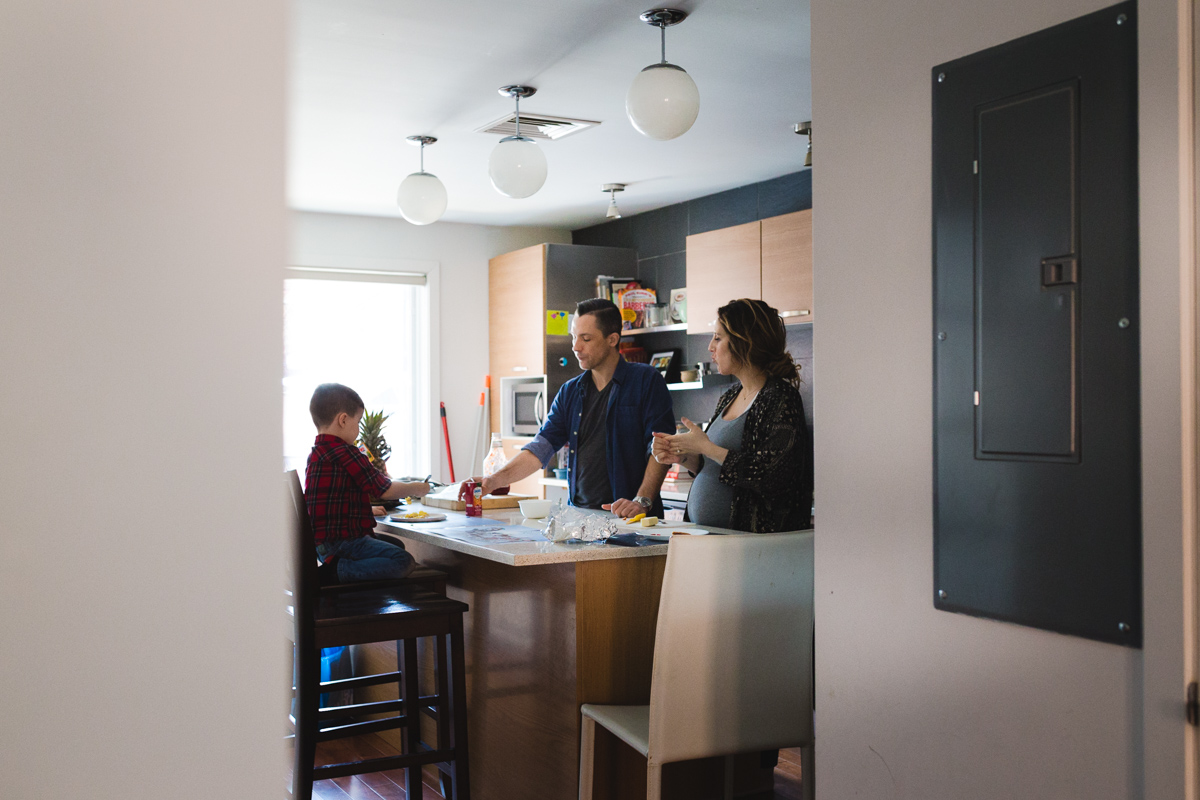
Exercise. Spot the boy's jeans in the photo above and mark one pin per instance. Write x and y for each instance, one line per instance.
(371, 559)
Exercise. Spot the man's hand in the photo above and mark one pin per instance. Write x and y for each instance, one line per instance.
(624, 508)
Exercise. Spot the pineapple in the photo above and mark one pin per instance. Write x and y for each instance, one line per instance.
(370, 436)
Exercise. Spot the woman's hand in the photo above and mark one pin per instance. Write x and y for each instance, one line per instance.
(694, 441)
(660, 448)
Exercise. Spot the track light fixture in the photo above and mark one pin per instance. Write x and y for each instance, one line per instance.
(804, 128)
(612, 189)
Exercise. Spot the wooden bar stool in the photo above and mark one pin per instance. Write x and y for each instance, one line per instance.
(348, 615)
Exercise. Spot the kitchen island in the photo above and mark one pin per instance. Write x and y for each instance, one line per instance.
(551, 626)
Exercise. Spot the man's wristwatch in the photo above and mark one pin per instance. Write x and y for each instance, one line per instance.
(644, 502)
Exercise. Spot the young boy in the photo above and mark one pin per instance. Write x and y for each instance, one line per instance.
(339, 484)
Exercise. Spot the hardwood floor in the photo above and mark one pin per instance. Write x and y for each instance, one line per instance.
(390, 785)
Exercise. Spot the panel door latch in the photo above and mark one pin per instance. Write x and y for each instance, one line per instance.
(1060, 271)
(1193, 704)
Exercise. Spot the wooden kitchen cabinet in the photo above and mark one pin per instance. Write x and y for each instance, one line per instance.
(516, 322)
(787, 276)
(722, 265)
(769, 260)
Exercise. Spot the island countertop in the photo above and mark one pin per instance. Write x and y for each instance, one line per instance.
(504, 536)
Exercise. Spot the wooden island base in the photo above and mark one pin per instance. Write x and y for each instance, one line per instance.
(540, 641)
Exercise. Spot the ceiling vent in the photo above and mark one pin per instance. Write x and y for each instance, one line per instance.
(538, 126)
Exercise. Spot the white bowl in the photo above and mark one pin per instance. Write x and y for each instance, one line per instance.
(534, 509)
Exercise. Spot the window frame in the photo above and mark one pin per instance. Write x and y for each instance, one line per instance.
(391, 270)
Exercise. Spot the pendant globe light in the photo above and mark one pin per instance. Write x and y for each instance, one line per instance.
(663, 100)
(422, 197)
(517, 166)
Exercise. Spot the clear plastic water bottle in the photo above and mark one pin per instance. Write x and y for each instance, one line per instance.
(495, 461)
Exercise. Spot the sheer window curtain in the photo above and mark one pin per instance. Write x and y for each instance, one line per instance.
(369, 330)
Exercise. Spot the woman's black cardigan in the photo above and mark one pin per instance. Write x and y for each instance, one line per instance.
(771, 473)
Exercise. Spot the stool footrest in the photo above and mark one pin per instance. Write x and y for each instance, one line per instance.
(359, 709)
(359, 682)
(380, 764)
(360, 728)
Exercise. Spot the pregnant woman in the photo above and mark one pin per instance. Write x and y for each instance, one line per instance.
(753, 467)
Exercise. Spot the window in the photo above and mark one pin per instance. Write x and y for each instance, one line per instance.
(368, 330)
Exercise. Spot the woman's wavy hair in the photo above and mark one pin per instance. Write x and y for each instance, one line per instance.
(758, 337)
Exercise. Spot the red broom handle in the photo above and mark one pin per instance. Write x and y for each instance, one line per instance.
(446, 434)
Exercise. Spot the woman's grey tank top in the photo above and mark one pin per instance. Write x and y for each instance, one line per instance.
(709, 500)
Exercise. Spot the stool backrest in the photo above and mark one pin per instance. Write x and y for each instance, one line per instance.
(733, 648)
(303, 584)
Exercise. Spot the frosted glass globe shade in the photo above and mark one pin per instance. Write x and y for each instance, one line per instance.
(517, 167)
(663, 101)
(422, 198)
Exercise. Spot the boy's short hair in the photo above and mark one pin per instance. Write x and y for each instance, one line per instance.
(331, 399)
(608, 316)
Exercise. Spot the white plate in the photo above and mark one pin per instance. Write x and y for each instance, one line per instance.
(665, 536)
(670, 525)
(430, 518)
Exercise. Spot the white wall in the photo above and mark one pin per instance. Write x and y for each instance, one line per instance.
(142, 237)
(462, 252)
(913, 702)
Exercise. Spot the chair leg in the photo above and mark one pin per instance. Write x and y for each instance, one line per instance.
(587, 758)
(808, 776)
(308, 678)
(728, 777)
(410, 693)
(441, 655)
(653, 781)
(461, 766)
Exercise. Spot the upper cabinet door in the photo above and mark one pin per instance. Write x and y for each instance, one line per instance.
(787, 276)
(516, 313)
(722, 265)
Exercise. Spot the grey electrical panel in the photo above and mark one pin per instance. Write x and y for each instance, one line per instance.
(1037, 476)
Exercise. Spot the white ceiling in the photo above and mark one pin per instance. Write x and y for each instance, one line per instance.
(367, 73)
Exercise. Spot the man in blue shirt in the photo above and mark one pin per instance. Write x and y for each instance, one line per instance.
(607, 417)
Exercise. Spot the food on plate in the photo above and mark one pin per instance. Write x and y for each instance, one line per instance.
(637, 518)
(412, 515)
(649, 522)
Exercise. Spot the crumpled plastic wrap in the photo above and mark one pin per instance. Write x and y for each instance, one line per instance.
(567, 523)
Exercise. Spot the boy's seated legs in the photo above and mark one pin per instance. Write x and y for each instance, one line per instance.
(371, 559)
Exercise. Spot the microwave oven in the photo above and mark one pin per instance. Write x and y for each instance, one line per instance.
(522, 406)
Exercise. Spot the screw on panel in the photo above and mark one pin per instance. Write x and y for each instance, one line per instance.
(1122, 627)
(941, 594)
(941, 77)
(1121, 19)
(1123, 322)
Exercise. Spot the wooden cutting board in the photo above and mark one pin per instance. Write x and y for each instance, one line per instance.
(452, 502)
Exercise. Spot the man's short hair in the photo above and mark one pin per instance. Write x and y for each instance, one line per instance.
(331, 399)
(608, 316)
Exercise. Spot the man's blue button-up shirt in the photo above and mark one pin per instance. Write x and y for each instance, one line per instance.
(638, 405)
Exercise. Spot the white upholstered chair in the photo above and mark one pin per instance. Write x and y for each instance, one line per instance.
(732, 659)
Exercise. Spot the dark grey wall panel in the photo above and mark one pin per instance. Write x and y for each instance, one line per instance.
(1037, 477)
(723, 210)
(785, 194)
(661, 231)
